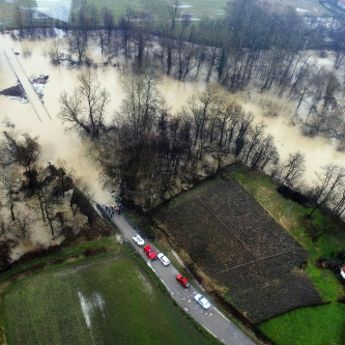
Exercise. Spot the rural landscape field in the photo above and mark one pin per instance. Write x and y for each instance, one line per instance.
(105, 297)
(249, 254)
(281, 263)
(172, 172)
(159, 8)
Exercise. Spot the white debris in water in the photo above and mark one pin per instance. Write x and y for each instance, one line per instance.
(301, 10)
(183, 6)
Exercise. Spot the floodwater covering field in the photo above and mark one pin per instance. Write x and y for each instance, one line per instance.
(102, 300)
(59, 144)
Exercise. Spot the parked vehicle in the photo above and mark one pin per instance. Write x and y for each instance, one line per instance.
(183, 281)
(151, 254)
(138, 240)
(202, 301)
(163, 259)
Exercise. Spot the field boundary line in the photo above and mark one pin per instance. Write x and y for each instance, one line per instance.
(255, 261)
(208, 209)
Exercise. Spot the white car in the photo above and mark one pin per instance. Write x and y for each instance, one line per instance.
(138, 240)
(202, 301)
(163, 259)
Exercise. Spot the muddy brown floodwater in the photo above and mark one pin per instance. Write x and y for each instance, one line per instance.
(59, 144)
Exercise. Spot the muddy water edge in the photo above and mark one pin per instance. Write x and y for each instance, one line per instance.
(57, 143)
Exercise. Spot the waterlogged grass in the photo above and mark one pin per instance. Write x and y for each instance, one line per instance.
(105, 299)
(197, 8)
(323, 325)
(201, 8)
(75, 251)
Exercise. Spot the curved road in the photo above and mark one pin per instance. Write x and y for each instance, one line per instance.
(212, 320)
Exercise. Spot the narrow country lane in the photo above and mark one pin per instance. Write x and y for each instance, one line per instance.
(212, 320)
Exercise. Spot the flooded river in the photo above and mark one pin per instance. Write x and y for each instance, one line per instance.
(67, 146)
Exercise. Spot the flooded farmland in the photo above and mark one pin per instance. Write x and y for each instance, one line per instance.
(59, 144)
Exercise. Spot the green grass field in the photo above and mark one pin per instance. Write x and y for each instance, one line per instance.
(7, 10)
(303, 326)
(198, 8)
(203, 8)
(104, 299)
(323, 325)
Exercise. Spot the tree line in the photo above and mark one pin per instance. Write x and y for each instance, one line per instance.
(249, 48)
(153, 153)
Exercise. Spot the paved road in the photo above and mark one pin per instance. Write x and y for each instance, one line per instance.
(17, 68)
(212, 320)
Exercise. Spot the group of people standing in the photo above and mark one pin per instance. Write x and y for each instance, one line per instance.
(112, 209)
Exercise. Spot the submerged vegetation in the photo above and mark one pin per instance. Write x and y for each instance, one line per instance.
(149, 153)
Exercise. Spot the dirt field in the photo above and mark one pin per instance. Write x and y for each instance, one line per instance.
(231, 238)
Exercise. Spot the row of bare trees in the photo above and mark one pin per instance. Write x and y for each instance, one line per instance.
(152, 152)
(250, 46)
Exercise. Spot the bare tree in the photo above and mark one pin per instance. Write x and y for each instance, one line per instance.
(339, 207)
(55, 52)
(77, 45)
(23, 150)
(22, 225)
(47, 201)
(170, 32)
(329, 180)
(9, 185)
(255, 135)
(294, 168)
(140, 108)
(85, 108)
(4, 225)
